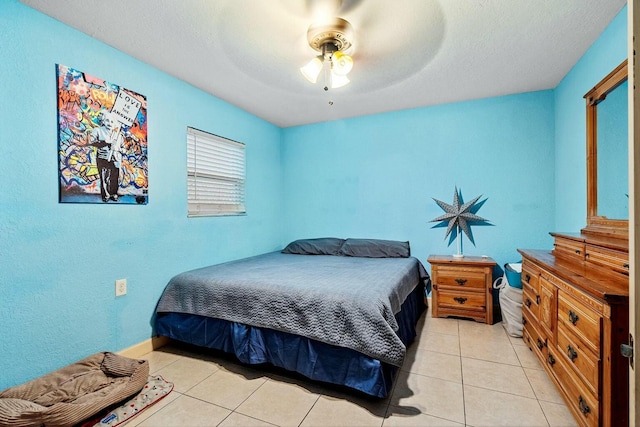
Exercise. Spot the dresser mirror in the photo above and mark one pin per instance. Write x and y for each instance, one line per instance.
(607, 156)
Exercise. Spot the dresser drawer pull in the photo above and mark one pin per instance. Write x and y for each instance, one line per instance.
(582, 404)
(461, 281)
(551, 360)
(538, 299)
(460, 300)
(539, 343)
(527, 278)
(578, 251)
(573, 318)
(524, 321)
(626, 266)
(571, 353)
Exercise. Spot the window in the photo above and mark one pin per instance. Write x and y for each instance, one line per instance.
(215, 175)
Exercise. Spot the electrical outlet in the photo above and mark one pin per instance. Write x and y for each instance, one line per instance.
(121, 287)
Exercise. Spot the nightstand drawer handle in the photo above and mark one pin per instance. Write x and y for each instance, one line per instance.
(573, 318)
(571, 353)
(539, 343)
(537, 299)
(527, 278)
(460, 300)
(578, 251)
(626, 266)
(527, 302)
(551, 359)
(584, 408)
(524, 321)
(461, 281)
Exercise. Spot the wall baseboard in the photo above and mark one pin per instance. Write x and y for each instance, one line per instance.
(136, 351)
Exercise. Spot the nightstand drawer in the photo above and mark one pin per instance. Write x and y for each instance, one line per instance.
(462, 300)
(461, 277)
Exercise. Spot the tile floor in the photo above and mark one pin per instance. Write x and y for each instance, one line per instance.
(457, 373)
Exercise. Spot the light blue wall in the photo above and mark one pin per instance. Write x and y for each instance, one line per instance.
(58, 262)
(608, 51)
(376, 176)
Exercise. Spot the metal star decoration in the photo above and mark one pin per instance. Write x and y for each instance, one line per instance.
(459, 216)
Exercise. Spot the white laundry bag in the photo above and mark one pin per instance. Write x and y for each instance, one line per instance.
(510, 305)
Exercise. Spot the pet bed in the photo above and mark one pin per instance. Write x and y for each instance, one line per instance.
(74, 393)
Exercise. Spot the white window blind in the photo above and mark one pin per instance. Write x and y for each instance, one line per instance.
(215, 175)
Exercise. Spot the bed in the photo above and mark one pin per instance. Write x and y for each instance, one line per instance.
(341, 311)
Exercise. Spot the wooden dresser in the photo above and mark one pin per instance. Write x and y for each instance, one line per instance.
(576, 316)
(462, 287)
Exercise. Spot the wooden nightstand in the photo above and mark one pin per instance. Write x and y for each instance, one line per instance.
(462, 287)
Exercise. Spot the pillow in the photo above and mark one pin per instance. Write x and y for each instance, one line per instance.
(374, 248)
(322, 246)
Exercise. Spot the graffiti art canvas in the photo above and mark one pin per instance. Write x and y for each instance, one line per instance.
(102, 140)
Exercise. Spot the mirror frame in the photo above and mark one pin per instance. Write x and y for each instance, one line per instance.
(597, 224)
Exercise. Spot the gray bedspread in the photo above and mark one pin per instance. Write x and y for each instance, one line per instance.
(345, 301)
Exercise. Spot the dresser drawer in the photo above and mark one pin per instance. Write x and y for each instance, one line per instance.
(535, 340)
(610, 258)
(530, 277)
(582, 321)
(462, 300)
(461, 277)
(586, 365)
(581, 402)
(570, 249)
(530, 301)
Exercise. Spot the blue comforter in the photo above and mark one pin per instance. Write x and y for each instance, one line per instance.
(344, 301)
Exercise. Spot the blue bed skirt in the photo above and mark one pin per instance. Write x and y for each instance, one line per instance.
(313, 359)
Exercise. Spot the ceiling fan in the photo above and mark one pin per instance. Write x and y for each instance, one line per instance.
(387, 41)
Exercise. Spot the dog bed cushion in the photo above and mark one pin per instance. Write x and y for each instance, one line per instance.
(76, 392)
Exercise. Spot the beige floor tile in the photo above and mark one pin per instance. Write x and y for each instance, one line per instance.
(432, 364)
(186, 372)
(496, 376)
(446, 326)
(471, 327)
(187, 411)
(228, 388)
(431, 396)
(486, 342)
(543, 387)
(280, 403)
(403, 417)
(160, 359)
(329, 411)
(239, 420)
(492, 408)
(558, 415)
(517, 341)
(527, 357)
(441, 343)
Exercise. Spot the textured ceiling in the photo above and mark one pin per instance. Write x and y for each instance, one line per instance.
(407, 53)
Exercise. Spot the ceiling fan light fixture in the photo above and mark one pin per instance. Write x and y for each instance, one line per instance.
(312, 70)
(331, 38)
(341, 63)
(338, 80)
